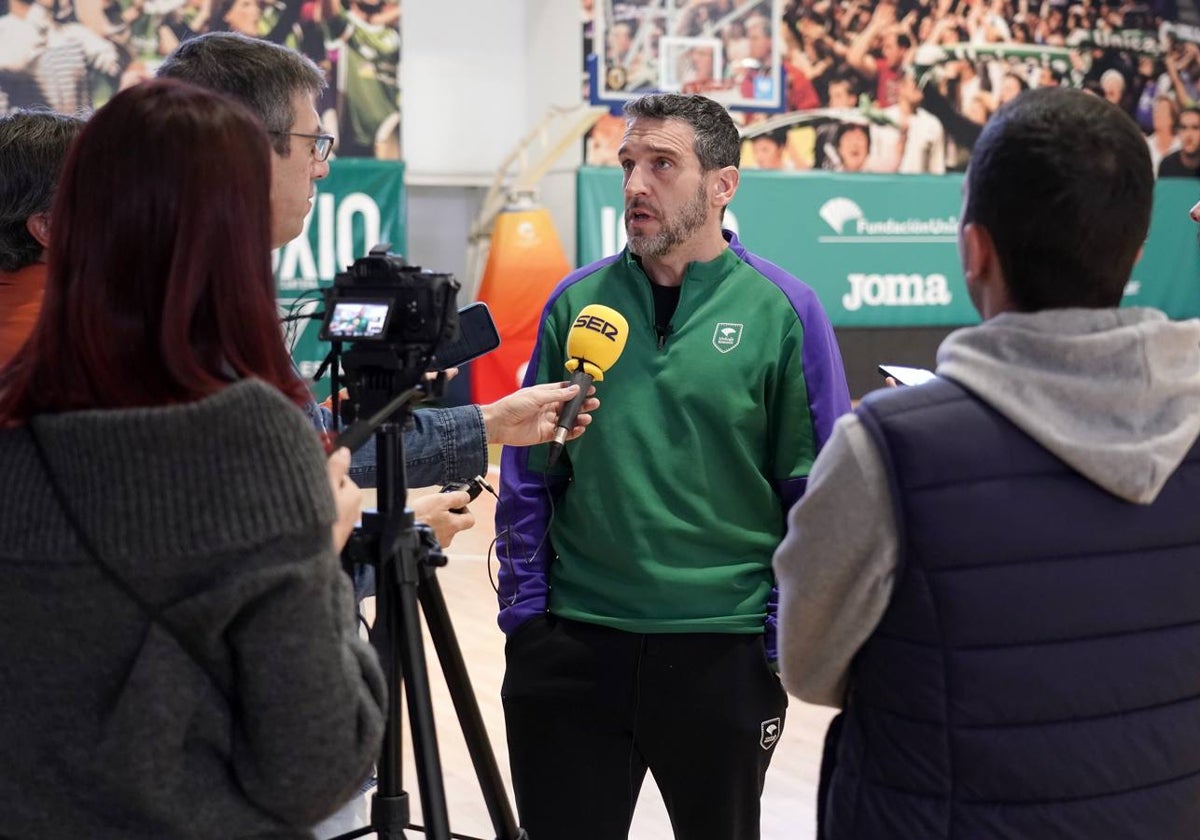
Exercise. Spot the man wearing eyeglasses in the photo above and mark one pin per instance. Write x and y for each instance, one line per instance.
(281, 87)
(294, 173)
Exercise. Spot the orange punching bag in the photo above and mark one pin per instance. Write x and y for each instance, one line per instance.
(525, 263)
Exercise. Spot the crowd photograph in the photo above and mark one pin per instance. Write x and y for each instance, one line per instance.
(70, 56)
(902, 85)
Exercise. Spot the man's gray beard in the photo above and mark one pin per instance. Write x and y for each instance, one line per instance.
(674, 232)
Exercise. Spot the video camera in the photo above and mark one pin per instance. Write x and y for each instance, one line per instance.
(393, 316)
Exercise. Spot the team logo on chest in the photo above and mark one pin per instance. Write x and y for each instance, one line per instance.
(727, 336)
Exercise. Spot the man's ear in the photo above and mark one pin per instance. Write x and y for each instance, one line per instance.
(725, 185)
(982, 271)
(38, 226)
(977, 251)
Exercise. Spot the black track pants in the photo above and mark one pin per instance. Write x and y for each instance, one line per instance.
(589, 709)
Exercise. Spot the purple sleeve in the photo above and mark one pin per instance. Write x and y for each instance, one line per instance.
(825, 381)
(527, 494)
(824, 372)
(522, 523)
(522, 537)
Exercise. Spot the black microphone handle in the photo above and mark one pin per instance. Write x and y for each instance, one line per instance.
(570, 409)
(566, 417)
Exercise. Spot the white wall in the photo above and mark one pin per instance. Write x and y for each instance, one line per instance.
(476, 75)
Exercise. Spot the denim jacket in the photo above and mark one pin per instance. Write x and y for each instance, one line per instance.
(440, 445)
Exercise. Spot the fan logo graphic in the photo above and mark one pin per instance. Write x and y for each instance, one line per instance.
(837, 211)
(727, 336)
(769, 733)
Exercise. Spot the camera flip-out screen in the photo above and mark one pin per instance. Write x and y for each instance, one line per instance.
(357, 320)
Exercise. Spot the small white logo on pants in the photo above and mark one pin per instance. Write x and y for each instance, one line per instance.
(771, 730)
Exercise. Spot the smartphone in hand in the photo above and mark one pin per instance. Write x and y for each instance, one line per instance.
(477, 335)
(907, 375)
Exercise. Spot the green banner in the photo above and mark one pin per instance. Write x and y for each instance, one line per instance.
(880, 250)
(359, 204)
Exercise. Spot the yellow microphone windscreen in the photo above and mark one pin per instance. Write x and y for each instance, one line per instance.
(596, 340)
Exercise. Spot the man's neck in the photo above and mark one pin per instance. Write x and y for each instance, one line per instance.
(668, 270)
(1190, 159)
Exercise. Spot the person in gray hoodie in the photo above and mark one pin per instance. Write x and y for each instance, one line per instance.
(996, 575)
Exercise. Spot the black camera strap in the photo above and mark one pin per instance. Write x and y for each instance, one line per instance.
(89, 547)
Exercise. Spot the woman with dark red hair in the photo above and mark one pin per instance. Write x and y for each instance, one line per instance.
(178, 649)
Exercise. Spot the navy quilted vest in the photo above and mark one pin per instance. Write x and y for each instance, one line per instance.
(1037, 673)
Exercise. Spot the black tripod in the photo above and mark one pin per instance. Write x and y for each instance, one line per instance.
(405, 556)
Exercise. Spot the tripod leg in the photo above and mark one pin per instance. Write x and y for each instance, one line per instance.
(389, 807)
(437, 618)
(420, 703)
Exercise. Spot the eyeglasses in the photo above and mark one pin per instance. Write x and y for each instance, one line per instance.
(322, 143)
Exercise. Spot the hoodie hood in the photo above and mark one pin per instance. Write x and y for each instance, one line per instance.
(1114, 393)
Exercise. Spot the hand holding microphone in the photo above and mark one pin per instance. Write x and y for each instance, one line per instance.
(528, 416)
(594, 344)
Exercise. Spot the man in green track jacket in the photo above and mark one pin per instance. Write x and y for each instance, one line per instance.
(635, 580)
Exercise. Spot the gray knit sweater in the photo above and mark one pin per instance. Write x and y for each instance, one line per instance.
(219, 514)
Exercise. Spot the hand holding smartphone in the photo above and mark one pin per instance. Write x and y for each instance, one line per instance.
(477, 335)
(907, 375)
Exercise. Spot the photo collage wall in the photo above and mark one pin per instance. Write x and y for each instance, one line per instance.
(889, 86)
(73, 55)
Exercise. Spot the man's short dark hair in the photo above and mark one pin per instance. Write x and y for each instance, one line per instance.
(262, 76)
(33, 147)
(717, 143)
(1062, 182)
